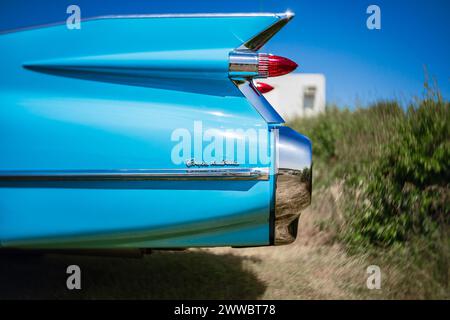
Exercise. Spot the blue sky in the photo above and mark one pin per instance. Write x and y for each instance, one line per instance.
(328, 37)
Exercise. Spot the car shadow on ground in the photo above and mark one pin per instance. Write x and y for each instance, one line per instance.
(161, 275)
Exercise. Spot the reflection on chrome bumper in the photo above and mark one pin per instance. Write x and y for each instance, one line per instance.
(293, 183)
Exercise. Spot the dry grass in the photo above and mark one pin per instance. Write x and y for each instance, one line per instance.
(314, 266)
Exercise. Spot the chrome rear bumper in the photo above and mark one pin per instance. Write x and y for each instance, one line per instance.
(293, 183)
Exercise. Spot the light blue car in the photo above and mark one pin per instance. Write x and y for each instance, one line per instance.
(147, 132)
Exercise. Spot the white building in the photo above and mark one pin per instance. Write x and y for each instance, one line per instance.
(297, 94)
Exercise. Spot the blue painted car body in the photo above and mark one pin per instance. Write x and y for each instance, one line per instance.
(107, 99)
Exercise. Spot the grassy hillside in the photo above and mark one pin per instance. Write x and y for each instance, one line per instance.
(392, 168)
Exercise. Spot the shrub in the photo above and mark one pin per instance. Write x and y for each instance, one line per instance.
(406, 189)
(394, 167)
(346, 142)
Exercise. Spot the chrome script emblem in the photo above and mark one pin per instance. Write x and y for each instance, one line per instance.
(224, 163)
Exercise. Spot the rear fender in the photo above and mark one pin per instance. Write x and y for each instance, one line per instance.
(107, 134)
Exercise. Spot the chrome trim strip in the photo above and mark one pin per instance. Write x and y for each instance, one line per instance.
(192, 15)
(168, 15)
(261, 38)
(138, 174)
(257, 100)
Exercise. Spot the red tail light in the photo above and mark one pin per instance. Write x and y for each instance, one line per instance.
(273, 66)
(263, 87)
(244, 64)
